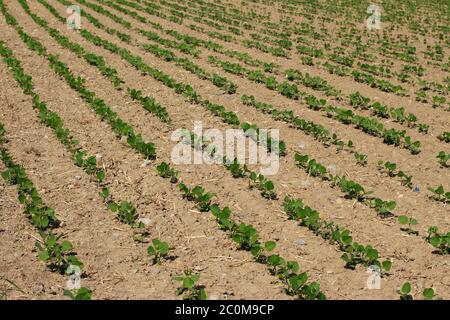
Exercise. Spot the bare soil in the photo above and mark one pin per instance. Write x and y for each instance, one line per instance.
(119, 268)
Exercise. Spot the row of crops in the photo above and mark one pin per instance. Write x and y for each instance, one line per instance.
(241, 51)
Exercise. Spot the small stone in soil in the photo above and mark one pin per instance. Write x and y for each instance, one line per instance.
(145, 163)
(155, 270)
(331, 168)
(145, 221)
(214, 296)
(300, 242)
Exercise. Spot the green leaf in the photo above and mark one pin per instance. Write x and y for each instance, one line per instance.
(195, 277)
(293, 266)
(163, 248)
(347, 239)
(406, 288)
(403, 219)
(202, 294)
(269, 185)
(66, 246)
(113, 206)
(69, 294)
(428, 293)
(435, 241)
(43, 255)
(372, 254)
(101, 175)
(73, 260)
(270, 245)
(188, 283)
(83, 294)
(151, 251)
(387, 265)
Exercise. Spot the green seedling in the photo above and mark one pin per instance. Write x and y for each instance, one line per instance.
(406, 289)
(439, 194)
(189, 288)
(390, 167)
(423, 128)
(140, 234)
(245, 236)
(445, 136)
(296, 284)
(406, 180)
(197, 195)
(311, 166)
(366, 255)
(438, 101)
(409, 222)
(126, 212)
(158, 251)
(361, 158)
(165, 171)
(223, 217)
(41, 216)
(440, 241)
(384, 208)
(263, 184)
(405, 292)
(79, 294)
(236, 170)
(353, 190)
(443, 158)
(428, 293)
(57, 255)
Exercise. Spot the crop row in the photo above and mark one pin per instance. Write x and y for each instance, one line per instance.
(179, 88)
(247, 239)
(364, 66)
(54, 253)
(411, 146)
(189, 42)
(354, 190)
(125, 211)
(346, 116)
(217, 80)
(58, 254)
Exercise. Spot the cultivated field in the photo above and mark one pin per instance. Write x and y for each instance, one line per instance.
(93, 204)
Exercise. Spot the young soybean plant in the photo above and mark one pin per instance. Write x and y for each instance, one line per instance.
(440, 241)
(159, 250)
(443, 158)
(57, 255)
(189, 289)
(405, 292)
(439, 194)
(165, 171)
(361, 159)
(197, 195)
(80, 294)
(405, 220)
(263, 184)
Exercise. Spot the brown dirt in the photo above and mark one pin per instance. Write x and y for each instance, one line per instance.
(118, 268)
